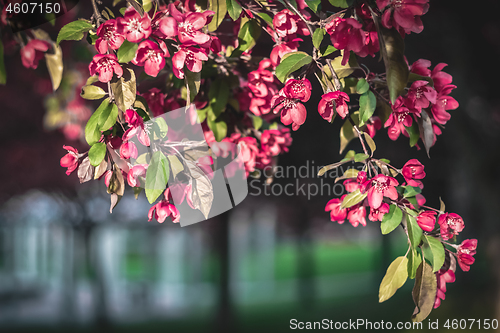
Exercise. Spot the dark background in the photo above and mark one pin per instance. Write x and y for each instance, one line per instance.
(463, 171)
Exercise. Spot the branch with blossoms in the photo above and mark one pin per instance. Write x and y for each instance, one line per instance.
(200, 55)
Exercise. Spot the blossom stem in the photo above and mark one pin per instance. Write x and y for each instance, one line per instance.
(434, 209)
(97, 16)
(334, 75)
(359, 134)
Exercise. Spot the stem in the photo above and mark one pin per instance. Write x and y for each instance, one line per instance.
(434, 209)
(334, 75)
(359, 134)
(97, 16)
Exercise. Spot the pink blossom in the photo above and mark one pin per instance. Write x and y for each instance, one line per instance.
(426, 220)
(190, 56)
(451, 224)
(440, 78)
(128, 150)
(333, 100)
(136, 124)
(287, 23)
(70, 160)
(412, 170)
(399, 118)
(357, 215)
(444, 102)
(360, 183)
(421, 67)
(274, 142)
(151, 56)
(282, 48)
(33, 52)
(346, 34)
(259, 82)
(421, 94)
(443, 277)
(135, 172)
(108, 37)
(162, 210)
(155, 100)
(381, 186)
(378, 214)
(465, 253)
(133, 26)
(287, 102)
(337, 214)
(373, 125)
(248, 150)
(105, 65)
(187, 27)
(403, 15)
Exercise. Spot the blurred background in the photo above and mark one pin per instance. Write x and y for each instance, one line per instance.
(67, 264)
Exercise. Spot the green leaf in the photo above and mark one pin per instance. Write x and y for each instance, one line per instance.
(415, 77)
(92, 92)
(234, 9)
(349, 173)
(341, 3)
(442, 206)
(267, 18)
(247, 37)
(161, 127)
(124, 89)
(157, 176)
(318, 37)
(433, 251)
(218, 95)
(108, 117)
(370, 142)
(395, 278)
(218, 127)
(414, 261)
(97, 153)
(342, 71)
(175, 165)
(55, 66)
(192, 83)
(220, 9)
(353, 198)
(411, 191)
(74, 30)
(327, 50)
(414, 231)
(424, 292)
(313, 5)
(92, 129)
(391, 220)
(326, 168)
(257, 122)
(414, 133)
(3, 72)
(360, 157)
(290, 63)
(362, 86)
(367, 104)
(426, 130)
(392, 48)
(127, 51)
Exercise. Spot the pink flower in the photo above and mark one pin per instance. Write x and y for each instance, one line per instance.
(443, 277)
(404, 15)
(451, 224)
(378, 214)
(421, 94)
(421, 67)
(151, 57)
(337, 214)
(287, 23)
(373, 125)
(381, 186)
(70, 160)
(248, 150)
(356, 216)
(155, 99)
(346, 34)
(135, 172)
(333, 100)
(162, 210)
(465, 253)
(292, 111)
(133, 26)
(274, 142)
(412, 170)
(190, 56)
(128, 150)
(259, 81)
(108, 37)
(282, 48)
(440, 78)
(399, 118)
(136, 128)
(105, 65)
(33, 52)
(444, 102)
(187, 26)
(426, 220)
(360, 183)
